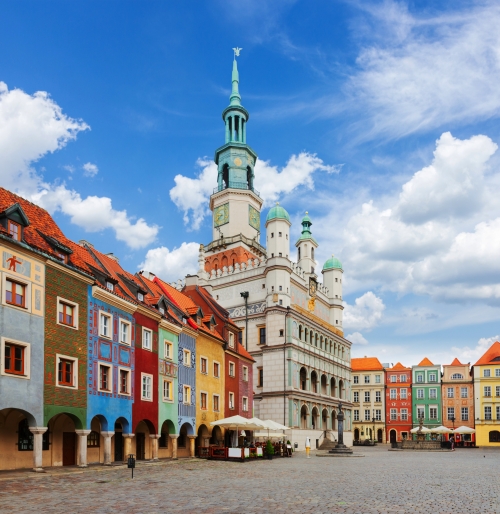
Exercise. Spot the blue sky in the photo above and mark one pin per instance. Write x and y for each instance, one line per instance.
(379, 118)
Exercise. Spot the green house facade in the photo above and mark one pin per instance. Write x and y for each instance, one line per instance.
(426, 394)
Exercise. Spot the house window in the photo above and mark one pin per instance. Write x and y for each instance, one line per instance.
(432, 393)
(450, 392)
(487, 413)
(465, 413)
(66, 371)
(245, 374)
(186, 358)
(260, 382)
(356, 397)
(279, 234)
(140, 297)
(377, 379)
(402, 378)
(124, 381)
(104, 378)
(231, 369)
(378, 415)
(497, 372)
(105, 325)
(169, 350)
(404, 414)
(245, 404)
(402, 393)
(487, 373)
(432, 377)
(393, 394)
(14, 362)
(487, 391)
(457, 376)
(355, 379)
(216, 370)
(167, 390)
(93, 439)
(498, 412)
(216, 402)
(15, 293)
(367, 379)
(110, 286)
(356, 415)
(394, 378)
(186, 395)
(394, 414)
(66, 313)
(367, 396)
(125, 332)
(204, 401)
(147, 387)
(433, 413)
(203, 365)
(162, 310)
(231, 400)
(231, 340)
(262, 335)
(378, 396)
(497, 391)
(420, 394)
(451, 412)
(367, 415)
(282, 333)
(420, 377)
(463, 392)
(420, 412)
(147, 338)
(14, 230)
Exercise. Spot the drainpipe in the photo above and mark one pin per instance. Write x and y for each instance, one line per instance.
(245, 294)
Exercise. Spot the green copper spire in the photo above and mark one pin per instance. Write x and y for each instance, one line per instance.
(235, 98)
(306, 228)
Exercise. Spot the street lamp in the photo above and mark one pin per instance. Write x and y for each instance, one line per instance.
(373, 421)
(452, 419)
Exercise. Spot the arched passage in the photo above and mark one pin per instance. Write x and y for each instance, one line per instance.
(314, 382)
(143, 430)
(324, 416)
(356, 434)
(392, 436)
(324, 384)
(202, 439)
(183, 440)
(341, 389)
(315, 418)
(216, 437)
(334, 420)
(164, 443)
(63, 441)
(303, 379)
(303, 417)
(333, 387)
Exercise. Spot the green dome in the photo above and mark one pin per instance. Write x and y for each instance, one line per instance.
(277, 212)
(332, 263)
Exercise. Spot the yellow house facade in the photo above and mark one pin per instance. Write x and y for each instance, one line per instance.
(486, 373)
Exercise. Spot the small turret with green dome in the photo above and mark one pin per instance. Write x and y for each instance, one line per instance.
(277, 212)
(332, 263)
(306, 229)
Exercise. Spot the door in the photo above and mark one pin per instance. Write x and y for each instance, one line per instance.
(356, 434)
(118, 447)
(69, 449)
(140, 446)
(379, 435)
(393, 436)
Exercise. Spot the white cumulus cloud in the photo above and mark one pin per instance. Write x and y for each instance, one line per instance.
(32, 126)
(466, 354)
(171, 265)
(356, 338)
(191, 195)
(90, 170)
(365, 314)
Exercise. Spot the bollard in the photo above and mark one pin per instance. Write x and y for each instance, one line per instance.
(131, 463)
(308, 447)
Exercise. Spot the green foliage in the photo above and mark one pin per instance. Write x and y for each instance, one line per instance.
(269, 448)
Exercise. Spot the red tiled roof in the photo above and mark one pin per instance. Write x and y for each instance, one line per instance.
(366, 364)
(398, 366)
(182, 301)
(492, 353)
(244, 353)
(425, 362)
(456, 362)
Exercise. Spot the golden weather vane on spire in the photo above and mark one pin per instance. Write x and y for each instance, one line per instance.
(237, 52)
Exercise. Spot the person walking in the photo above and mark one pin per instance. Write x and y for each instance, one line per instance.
(452, 441)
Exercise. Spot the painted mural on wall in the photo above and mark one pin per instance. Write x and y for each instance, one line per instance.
(254, 308)
(300, 298)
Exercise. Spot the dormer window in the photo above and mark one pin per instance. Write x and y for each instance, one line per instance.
(162, 310)
(140, 297)
(14, 230)
(110, 286)
(63, 257)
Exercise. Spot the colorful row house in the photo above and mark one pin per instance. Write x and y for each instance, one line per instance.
(426, 394)
(97, 363)
(398, 400)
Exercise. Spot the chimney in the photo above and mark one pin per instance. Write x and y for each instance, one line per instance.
(147, 275)
(82, 242)
(191, 280)
(113, 256)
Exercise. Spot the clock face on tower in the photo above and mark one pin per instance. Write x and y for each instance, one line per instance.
(221, 215)
(254, 218)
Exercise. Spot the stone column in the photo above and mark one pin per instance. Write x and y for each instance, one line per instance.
(81, 460)
(107, 447)
(192, 439)
(174, 445)
(154, 446)
(127, 446)
(37, 447)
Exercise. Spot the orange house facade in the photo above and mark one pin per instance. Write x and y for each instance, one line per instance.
(398, 412)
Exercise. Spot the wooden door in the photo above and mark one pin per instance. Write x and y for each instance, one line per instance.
(69, 448)
(118, 447)
(140, 443)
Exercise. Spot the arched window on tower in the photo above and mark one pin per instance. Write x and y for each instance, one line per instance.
(225, 176)
(249, 178)
(299, 253)
(312, 253)
(237, 128)
(230, 125)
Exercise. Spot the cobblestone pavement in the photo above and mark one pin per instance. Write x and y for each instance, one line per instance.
(464, 481)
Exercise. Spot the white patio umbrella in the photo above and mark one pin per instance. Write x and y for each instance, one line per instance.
(238, 422)
(269, 435)
(464, 430)
(441, 430)
(274, 425)
(424, 430)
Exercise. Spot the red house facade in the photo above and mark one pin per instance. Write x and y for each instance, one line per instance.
(398, 415)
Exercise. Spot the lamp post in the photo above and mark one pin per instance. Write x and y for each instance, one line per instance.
(373, 421)
(245, 294)
(452, 419)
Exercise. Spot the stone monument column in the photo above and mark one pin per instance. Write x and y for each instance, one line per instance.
(107, 447)
(82, 448)
(340, 447)
(174, 438)
(37, 447)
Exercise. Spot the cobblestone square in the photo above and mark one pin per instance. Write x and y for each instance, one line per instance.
(463, 481)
